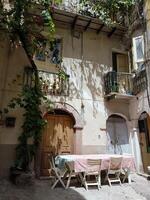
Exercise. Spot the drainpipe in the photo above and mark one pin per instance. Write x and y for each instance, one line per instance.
(81, 86)
(146, 46)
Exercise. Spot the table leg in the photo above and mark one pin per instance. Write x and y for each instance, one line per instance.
(127, 175)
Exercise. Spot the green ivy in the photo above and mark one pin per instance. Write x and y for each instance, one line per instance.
(32, 127)
(30, 100)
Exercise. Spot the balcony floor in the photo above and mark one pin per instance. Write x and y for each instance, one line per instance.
(115, 95)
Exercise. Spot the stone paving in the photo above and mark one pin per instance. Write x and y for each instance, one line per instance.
(138, 190)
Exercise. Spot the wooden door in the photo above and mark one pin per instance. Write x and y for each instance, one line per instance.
(144, 139)
(122, 63)
(57, 138)
(118, 139)
(145, 156)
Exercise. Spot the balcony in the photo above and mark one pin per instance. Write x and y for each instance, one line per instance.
(139, 82)
(54, 83)
(118, 85)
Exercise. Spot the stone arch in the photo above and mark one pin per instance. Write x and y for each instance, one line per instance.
(119, 114)
(70, 110)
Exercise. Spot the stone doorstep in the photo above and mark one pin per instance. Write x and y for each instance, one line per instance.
(147, 176)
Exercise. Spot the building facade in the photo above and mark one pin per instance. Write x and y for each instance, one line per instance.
(99, 106)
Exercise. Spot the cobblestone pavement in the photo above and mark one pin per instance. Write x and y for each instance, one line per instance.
(138, 190)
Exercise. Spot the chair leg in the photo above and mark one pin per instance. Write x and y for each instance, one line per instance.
(99, 182)
(127, 176)
(68, 181)
(109, 182)
(106, 177)
(84, 182)
(58, 179)
(118, 177)
(55, 183)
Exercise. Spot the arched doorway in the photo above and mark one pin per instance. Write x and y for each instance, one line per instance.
(117, 132)
(144, 139)
(57, 138)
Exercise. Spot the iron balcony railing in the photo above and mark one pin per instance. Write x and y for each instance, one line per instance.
(139, 82)
(54, 83)
(118, 82)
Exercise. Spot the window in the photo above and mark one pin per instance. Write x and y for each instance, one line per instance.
(138, 51)
(49, 51)
(55, 49)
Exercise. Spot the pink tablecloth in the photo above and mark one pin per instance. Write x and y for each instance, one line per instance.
(79, 162)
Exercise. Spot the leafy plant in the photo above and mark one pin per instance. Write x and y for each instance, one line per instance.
(30, 100)
(20, 24)
(109, 11)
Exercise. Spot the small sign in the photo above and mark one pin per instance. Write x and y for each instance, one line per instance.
(10, 121)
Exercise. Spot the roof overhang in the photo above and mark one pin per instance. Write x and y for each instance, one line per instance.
(81, 23)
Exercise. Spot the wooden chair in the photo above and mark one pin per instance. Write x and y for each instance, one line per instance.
(114, 170)
(94, 168)
(55, 173)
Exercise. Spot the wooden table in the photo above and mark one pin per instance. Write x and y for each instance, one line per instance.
(78, 163)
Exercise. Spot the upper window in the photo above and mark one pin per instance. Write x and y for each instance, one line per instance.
(49, 51)
(138, 51)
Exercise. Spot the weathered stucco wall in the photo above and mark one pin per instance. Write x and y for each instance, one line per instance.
(86, 59)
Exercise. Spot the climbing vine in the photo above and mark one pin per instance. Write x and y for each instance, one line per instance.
(24, 28)
(110, 11)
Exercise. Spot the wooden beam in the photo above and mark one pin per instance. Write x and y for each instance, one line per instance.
(111, 33)
(88, 24)
(74, 22)
(101, 27)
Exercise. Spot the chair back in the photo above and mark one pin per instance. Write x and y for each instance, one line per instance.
(51, 162)
(94, 165)
(92, 162)
(115, 163)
